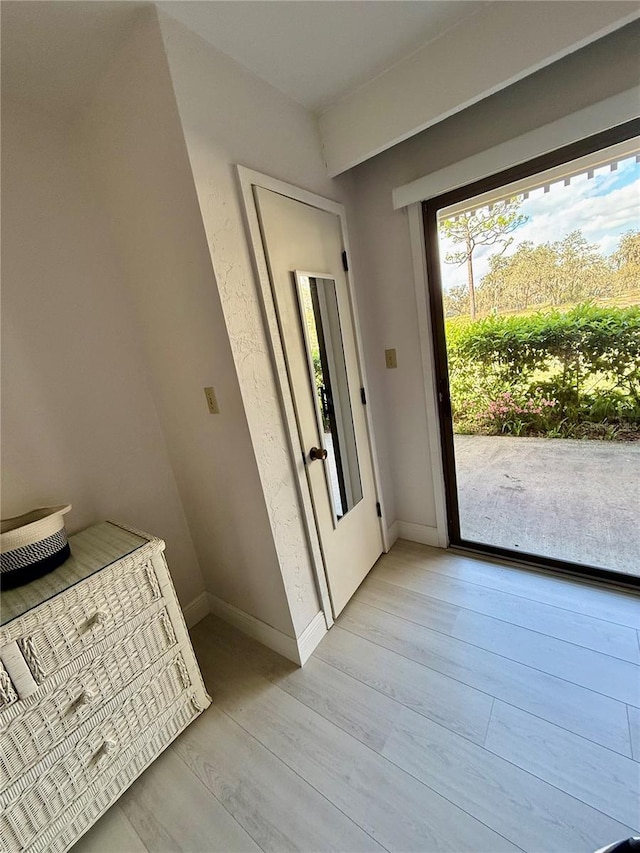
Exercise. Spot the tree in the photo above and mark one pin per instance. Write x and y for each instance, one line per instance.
(456, 300)
(626, 263)
(518, 281)
(488, 226)
(557, 274)
(628, 251)
(583, 272)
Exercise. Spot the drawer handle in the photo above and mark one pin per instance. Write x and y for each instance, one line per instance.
(104, 752)
(19, 675)
(95, 621)
(84, 699)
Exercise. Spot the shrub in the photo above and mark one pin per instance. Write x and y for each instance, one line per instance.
(585, 361)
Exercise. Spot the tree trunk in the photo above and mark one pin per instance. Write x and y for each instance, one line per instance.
(472, 289)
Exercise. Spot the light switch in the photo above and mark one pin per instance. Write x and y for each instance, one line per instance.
(390, 358)
(212, 402)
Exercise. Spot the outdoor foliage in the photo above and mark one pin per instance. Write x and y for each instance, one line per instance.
(573, 374)
(566, 272)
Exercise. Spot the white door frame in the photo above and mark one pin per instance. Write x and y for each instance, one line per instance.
(249, 179)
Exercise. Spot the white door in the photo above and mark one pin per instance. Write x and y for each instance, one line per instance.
(303, 246)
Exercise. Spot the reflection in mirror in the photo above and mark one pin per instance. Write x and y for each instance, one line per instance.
(318, 302)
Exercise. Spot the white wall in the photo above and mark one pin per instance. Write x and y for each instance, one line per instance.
(230, 117)
(79, 424)
(482, 54)
(155, 272)
(386, 277)
(139, 163)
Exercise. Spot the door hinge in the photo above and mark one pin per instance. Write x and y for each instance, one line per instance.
(378, 509)
(345, 262)
(363, 397)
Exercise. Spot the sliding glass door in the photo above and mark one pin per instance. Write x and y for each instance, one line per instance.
(535, 296)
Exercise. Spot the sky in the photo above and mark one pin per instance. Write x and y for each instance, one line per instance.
(603, 208)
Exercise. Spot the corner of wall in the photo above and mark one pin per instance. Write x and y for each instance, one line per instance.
(393, 534)
(196, 610)
(296, 649)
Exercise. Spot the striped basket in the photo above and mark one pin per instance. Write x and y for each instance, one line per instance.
(31, 545)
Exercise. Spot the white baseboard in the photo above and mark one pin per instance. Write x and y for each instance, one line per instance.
(393, 534)
(294, 650)
(196, 610)
(418, 533)
(311, 636)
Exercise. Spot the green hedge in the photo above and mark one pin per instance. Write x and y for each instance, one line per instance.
(575, 373)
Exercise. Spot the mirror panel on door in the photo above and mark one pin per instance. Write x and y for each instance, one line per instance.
(320, 317)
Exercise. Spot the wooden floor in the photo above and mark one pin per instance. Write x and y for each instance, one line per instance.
(455, 706)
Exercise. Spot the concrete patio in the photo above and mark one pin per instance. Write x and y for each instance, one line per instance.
(572, 500)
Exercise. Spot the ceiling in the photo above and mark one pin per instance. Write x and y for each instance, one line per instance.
(317, 51)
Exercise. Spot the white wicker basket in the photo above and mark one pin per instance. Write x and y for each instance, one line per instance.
(32, 545)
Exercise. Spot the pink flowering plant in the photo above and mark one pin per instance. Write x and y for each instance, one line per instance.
(518, 413)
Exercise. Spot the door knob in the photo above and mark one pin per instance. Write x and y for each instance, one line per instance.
(317, 453)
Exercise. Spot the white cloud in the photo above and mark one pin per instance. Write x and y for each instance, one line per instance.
(597, 217)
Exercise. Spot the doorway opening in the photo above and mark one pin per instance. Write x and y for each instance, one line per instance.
(535, 303)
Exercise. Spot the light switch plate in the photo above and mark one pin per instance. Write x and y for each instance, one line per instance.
(212, 402)
(390, 358)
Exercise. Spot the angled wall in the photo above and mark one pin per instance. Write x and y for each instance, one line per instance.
(230, 117)
(137, 158)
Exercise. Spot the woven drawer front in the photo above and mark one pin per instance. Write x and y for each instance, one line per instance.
(28, 809)
(85, 811)
(87, 613)
(8, 694)
(29, 737)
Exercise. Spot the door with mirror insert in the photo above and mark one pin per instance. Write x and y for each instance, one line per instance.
(303, 246)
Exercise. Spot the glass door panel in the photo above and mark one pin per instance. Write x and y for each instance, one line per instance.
(536, 311)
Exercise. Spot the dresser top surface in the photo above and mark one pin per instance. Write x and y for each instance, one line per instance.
(92, 549)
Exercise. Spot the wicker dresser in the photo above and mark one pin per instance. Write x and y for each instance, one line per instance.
(97, 677)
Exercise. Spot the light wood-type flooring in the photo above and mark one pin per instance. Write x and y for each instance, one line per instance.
(457, 705)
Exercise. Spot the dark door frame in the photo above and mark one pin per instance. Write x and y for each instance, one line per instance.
(430, 210)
